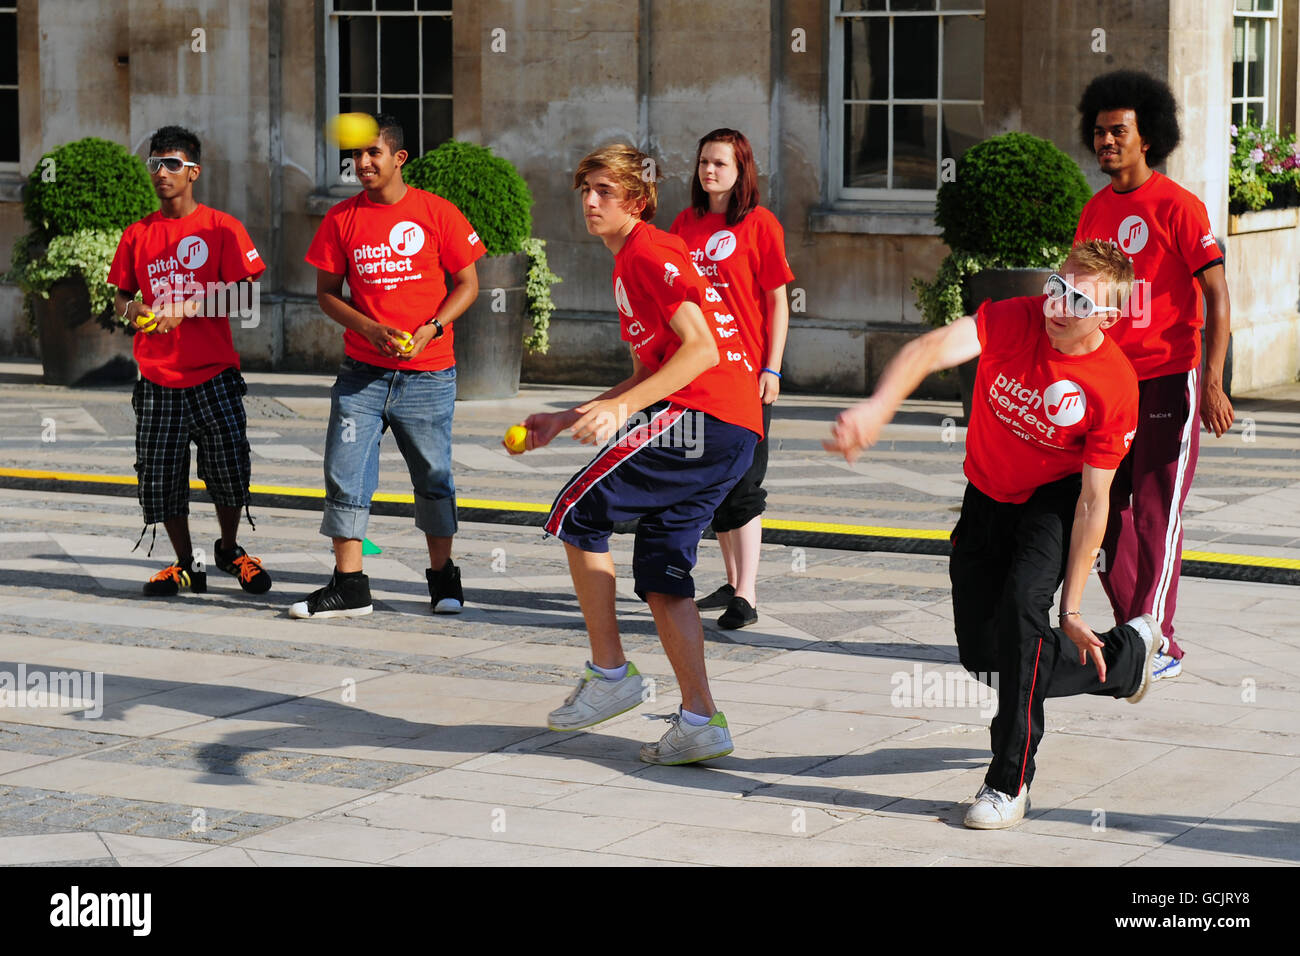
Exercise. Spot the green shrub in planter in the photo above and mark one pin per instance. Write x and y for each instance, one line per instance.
(77, 201)
(498, 203)
(1014, 204)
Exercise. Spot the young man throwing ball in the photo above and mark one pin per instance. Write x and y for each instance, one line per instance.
(681, 431)
(392, 243)
(190, 389)
(1054, 412)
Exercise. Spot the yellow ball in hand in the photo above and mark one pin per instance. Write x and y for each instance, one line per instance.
(516, 436)
(352, 130)
(146, 321)
(408, 341)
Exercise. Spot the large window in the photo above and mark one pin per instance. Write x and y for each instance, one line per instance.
(1256, 31)
(8, 87)
(392, 56)
(907, 93)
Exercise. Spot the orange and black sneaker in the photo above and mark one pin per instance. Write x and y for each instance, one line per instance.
(175, 578)
(252, 576)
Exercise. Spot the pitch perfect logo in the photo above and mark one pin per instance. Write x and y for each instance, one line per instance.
(390, 258)
(1037, 414)
(720, 245)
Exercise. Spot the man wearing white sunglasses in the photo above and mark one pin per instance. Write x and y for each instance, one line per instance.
(189, 262)
(1054, 411)
(1129, 120)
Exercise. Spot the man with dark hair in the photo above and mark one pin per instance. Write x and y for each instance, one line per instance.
(1130, 121)
(391, 243)
(190, 388)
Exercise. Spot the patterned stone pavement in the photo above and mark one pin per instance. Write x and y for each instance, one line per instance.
(225, 733)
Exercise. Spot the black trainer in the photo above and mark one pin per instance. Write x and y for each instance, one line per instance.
(719, 598)
(348, 597)
(739, 613)
(174, 578)
(445, 594)
(252, 576)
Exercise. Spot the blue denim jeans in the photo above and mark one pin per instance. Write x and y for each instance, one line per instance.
(418, 406)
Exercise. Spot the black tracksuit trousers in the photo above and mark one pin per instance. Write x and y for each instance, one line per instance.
(1007, 562)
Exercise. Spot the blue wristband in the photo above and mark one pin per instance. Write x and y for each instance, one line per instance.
(773, 371)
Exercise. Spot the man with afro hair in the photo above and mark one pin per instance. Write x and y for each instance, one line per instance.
(1130, 121)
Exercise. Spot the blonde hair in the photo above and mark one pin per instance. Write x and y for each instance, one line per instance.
(630, 168)
(1107, 262)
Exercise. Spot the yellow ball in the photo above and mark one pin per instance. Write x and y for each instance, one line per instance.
(352, 130)
(408, 341)
(516, 435)
(145, 321)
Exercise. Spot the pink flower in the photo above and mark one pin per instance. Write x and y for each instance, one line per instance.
(1256, 155)
(1232, 130)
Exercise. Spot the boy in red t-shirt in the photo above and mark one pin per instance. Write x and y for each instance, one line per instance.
(392, 243)
(1130, 121)
(1054, 411)
(189, 263)
(681, 431)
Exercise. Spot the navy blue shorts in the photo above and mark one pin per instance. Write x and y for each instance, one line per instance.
(669, 468)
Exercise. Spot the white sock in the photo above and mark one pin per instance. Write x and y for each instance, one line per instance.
(695, 720)
(611, 673)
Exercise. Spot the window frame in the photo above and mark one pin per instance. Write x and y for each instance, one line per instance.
(1271, 98)
(330, 34)
(12, 169)
(839, 23)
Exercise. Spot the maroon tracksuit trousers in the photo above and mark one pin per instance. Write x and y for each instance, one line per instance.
(1143, 546)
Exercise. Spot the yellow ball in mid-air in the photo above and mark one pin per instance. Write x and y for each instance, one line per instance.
(516, 436)
(352, 130)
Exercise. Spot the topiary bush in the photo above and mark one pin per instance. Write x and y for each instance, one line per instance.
(90, 184)
(498, 203)
(486, 188)
(1014, 204)
(77, 201)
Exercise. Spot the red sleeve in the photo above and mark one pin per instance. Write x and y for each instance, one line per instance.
(458, 243)
(773, 268)
(1193, 236)
(122, 272)
(1003, 325)
(326, 252)
(669, 278)
(1106, 445)
(239, 257)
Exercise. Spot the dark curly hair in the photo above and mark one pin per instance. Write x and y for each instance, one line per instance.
(1150, 98)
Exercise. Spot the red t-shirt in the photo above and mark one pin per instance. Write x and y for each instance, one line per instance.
(394, 257)
(172, 260)
(1165, 232)
(743, 263)
(1039, 415)
(653, 276)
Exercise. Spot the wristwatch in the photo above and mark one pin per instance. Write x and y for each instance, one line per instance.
(437, 325)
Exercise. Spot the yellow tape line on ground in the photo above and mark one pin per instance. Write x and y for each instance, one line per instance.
(776, 524)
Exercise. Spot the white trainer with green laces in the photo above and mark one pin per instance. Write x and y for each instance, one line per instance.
(596, 699)
(684, 743)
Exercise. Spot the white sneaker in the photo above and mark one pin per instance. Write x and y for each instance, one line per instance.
(1165, 666)
(686, 743)
(995, 810)
(1156, 644)
(596, 698)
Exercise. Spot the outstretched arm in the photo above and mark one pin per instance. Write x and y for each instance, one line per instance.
(857, 428)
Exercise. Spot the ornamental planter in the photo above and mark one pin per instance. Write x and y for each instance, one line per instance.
(995, 284)
(490, 334)
(75, 349)
(1264, 220)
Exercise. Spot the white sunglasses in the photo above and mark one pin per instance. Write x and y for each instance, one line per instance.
(174, 164)
(1080, 304)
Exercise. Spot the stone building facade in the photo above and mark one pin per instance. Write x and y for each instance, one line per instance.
(852, 107)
